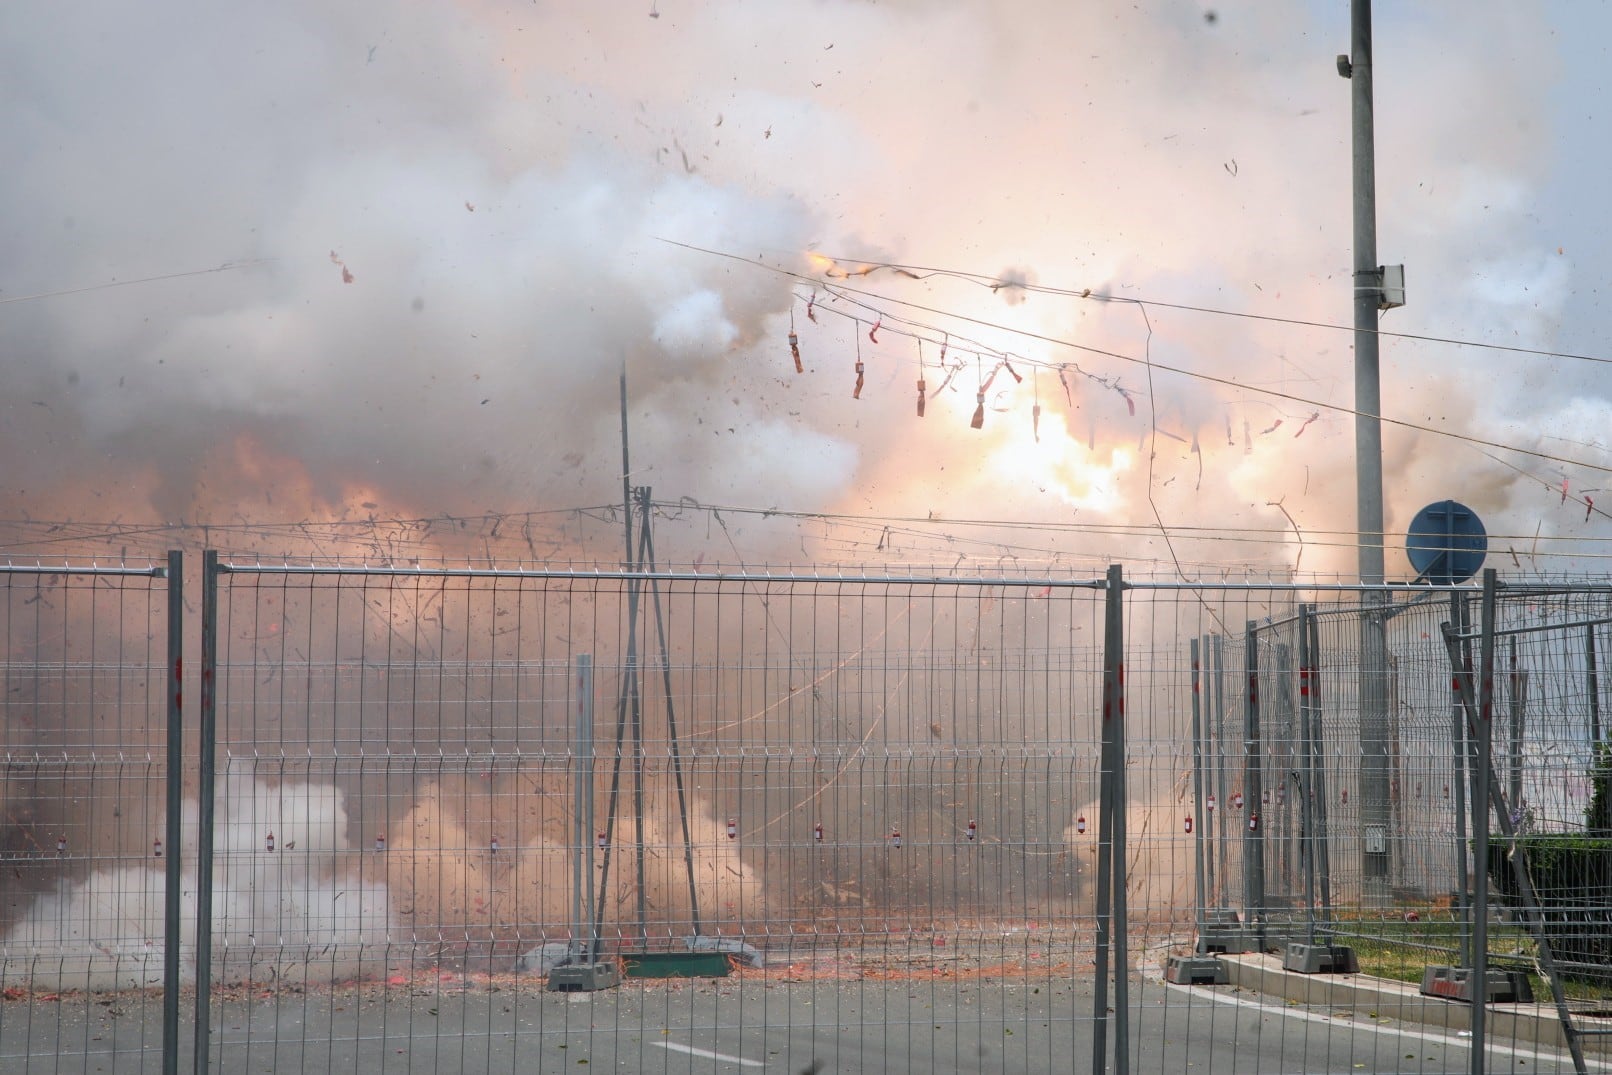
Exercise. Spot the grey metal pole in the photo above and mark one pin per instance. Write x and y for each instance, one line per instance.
(626, 468)
(1374, 718)
(1306, 774)
(205, 806)
(1480, 827)
(174, 834)
(1275, 817)
(1206, 817)
(1458, 619)
(635, 589)
(671, 716)
(1592, 687)
(1122, 962)
(1197, 790)
(1218, 696)
(1253, 759)
(1111, 924)
(1323, 840)
(1518, 712)
(582, 937)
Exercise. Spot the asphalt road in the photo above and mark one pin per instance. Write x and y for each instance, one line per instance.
(738, 1026)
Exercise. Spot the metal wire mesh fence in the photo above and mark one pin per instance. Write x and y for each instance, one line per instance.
(911, 822)
(825, 781)
(1551, 765)
(1376, 844)
(86, 898)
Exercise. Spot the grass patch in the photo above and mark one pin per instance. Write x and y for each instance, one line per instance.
(1401, 950)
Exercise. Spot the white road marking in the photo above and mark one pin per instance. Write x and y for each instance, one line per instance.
(679, 1047)
(1400, 1029)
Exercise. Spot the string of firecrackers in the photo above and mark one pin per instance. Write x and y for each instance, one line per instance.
(1582, 497)
(866, 269)
(1563, 490)
(951, 366)
(949, 363)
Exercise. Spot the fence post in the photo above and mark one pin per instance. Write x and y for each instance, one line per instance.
(1318, 740)
(1111, 911)
(1480, 827)
(1592, 686)
(173, 788)
(1458, 732)
(1518, 712)
(584, 941)
(1276, 811)
(1218, 700)
(1197, 790)
(1206, 818)
(205, 780)
(1306, 775)
(1253, 759)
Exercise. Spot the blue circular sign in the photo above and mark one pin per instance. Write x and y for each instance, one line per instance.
(1446, 543)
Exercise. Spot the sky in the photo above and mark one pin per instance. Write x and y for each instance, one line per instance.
(310, 263)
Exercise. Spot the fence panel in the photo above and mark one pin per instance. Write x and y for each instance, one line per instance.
(877, 811)
(1547, 767)
(859, 819)
(84, 688)
(1554, 774)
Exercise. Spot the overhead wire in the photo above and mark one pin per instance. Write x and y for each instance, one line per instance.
(997, 284)
(228, 266)
(867, 298)
(868, 302)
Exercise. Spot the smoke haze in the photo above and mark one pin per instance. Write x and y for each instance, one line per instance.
(438, 236)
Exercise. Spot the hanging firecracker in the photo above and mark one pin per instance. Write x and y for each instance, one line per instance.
(733, 829)
(601, 839)
(268, 842)
(973, 829)
(494, 846)
(794, 351)
(895, 839)
(1186, 823)
(156, 848)
(817, 832)
(1211, 803)
(978, 421)
(380, 841)
(1253, 822)
(1080, 825)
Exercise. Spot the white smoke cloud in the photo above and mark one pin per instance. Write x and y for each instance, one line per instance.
(695, 325)
(498, 183)
(305, 912)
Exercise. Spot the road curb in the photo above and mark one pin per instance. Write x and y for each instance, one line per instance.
(1383, 998)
